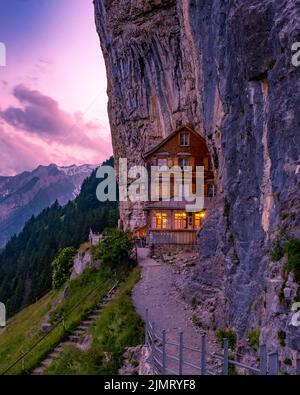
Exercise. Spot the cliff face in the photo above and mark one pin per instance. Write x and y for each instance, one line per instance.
(224, 68)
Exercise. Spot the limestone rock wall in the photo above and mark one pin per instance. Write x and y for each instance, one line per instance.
(224, 68)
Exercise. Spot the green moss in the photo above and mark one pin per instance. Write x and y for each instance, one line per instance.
(281, 335)
(226, 211)
(226, 334)
(277, 196)
(253, 338)
(277, 251)
(271, 63)
(292, 249)
(231, 239)
(194, 302)
(196, 321)
(288, 362)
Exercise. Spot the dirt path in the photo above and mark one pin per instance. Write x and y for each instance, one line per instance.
(156, 292)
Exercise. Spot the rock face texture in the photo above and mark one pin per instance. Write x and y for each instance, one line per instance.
(224, 68)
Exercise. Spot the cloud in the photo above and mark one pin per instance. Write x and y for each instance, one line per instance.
(37, 129)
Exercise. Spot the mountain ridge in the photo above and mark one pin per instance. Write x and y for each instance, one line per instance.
(29, 192)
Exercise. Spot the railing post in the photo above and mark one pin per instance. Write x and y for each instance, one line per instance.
(164, 356)
(203, 355)
(180, 354)
(146, 327)
(273, 364)
(263, 360)
(225, 362)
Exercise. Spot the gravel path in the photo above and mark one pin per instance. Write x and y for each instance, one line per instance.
(156, 292)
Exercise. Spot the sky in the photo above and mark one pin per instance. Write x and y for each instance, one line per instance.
(53, 101)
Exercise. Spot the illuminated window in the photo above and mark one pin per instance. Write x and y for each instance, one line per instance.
(161, 221)
(162, 162)
(184, 139)
(198, 219)
(180, 220)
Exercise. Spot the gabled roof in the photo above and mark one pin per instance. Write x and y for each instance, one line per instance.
(165, 140)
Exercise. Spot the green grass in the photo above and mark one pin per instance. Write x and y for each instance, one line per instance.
(226, 334)
(117, 328)
(23, 330)
(254, 339)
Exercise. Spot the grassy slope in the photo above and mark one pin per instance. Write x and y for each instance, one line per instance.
(118, 327)
(23, 330)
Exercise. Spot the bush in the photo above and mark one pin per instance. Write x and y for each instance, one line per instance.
(254, 339)
(226, 334)
(62, 266)
(114, 250)
(292, 250)
(281, 338)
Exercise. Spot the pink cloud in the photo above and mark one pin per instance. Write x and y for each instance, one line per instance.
(37, 129)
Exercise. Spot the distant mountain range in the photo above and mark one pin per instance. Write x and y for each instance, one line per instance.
(28, 193)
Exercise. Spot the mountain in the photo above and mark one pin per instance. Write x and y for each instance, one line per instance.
(25, 262)
(28, 193)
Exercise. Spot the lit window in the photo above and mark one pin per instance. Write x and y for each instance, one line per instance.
(183, 162)
(184, 139)
(161, 221)
(180, 221)
(198, 218)
(162, 162)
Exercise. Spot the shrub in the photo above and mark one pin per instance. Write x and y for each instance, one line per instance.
(197, 321)
(226, 334)
(288, 362)
(277, 252)
(292, 250)
(254, 339)
(281, 338)
(114, 250)
(62, 266)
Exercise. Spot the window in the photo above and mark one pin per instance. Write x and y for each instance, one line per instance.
(184, 139)
(198, 219)
(162, 162)
(180, 221)
(183, 162)
(161, 221)
(211, 190)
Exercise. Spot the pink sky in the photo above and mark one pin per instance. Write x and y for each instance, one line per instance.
(53, 106)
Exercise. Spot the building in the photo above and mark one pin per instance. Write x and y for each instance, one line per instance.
(168, 222)
(94, 238)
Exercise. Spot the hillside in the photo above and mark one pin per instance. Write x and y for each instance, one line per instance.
(25, 263)
(28, 193)
(23, 333)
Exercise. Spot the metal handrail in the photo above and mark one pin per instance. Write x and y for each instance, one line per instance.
(160, 351)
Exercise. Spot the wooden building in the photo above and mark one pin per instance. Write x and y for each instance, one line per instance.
(168, 222)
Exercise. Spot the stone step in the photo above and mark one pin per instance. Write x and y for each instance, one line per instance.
(74, 338)
(38, 370)
(93, 317)
(54, 354)
(88, 322)
(78, 332)
(82, 328)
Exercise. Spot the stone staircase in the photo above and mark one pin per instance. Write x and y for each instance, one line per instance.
(79, 336)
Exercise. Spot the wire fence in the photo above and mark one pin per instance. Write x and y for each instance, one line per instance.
(60, 322)
(168, 357)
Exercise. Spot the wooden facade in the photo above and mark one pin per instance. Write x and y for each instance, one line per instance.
(168, 222)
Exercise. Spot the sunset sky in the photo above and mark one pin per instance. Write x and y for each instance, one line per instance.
(53, 90)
